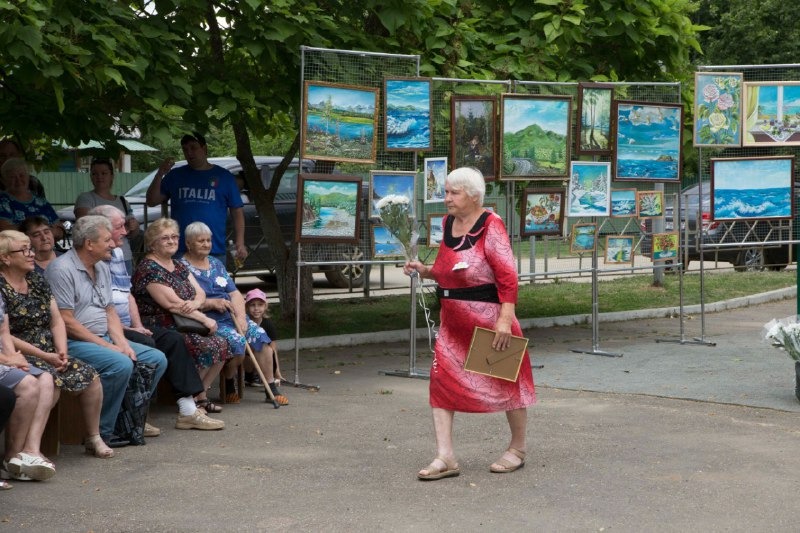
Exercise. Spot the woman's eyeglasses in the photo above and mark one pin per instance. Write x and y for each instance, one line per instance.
(24, 251)
(167, 238)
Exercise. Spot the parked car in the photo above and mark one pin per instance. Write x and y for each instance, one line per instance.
(260, 261)
(738, 233)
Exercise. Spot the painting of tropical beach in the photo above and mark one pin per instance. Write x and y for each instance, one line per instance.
(752, 188)
(589, 186)
(772, 113)
(647, 143)
(535, 136)
(408, 114)
(339, 122)
(327, 208)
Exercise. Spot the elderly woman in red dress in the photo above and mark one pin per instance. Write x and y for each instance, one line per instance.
(475, 265)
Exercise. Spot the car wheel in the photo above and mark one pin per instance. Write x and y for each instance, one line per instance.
(750, 260)
(340, 276)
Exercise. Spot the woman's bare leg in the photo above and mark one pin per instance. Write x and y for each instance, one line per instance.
(48, 396)
(443, 428)
(91, 400)
(518, 423)
(27, 392)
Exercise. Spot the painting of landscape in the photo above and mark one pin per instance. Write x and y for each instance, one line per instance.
(619, 249)
(594, 118)
(752, 188)
(772, 114)
(623, 203)
(408, 114)
(473, 133)
(339, 122)
(327, 208)
(584, 238)
(535, 136)
(589, 189)
(647, 143)
(384, 244)
(383, 183)
(717, 109)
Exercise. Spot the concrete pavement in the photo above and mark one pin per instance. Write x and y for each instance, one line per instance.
(668, 437)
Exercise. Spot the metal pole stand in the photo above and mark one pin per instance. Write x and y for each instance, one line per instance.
(682, 339)
(296, 382)
(412, 372)
(595, 320)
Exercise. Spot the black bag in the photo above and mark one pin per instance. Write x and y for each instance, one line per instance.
(133, 412)
(189, 325)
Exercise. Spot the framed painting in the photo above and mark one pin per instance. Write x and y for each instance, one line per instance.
(665, 247)
(619, 250)
(623, 203)
(594, 118)
(407, 122)
(535, 136)
(384, 244)
(650, 204)
(435, 229)
(491, 207)
(647, 141)
(589, 189)
(328, 207)
(752, 188)
(473, 133)
(772, 113)
(543, 212)
(435, 171)
(717, 109)
(383, 183)
(340, 122)
(584, 238)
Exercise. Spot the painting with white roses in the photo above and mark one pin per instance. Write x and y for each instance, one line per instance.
(718, 109)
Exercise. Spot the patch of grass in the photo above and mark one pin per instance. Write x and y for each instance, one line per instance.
(387, 313)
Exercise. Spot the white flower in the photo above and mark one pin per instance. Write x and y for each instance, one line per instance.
(392, 199)
(784, 334)
(221, 281)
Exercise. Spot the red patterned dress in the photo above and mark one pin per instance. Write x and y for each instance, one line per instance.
(486, 252)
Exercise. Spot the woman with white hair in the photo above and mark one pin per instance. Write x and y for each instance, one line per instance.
(477, 280)
(17, 202)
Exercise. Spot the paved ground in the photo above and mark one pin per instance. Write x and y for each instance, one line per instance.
(668, 437)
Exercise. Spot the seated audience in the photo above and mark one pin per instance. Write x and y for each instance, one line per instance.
(163, 286)
(10, 148)
(17, 202)
(38, 231)
(101, 172)
(264, 346)
(39, 334)
(35, 397)
(181, 372)
(81, 283)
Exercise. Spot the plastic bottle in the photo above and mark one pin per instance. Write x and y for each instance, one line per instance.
(237, 263)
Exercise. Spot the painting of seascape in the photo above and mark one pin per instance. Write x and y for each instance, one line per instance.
(752, 188)
(327, 208)
(717, 109)
(383, 183)
(772, 114)
(648, 141)
(589, 186)
(384, 244)
(339, 122)
(408, 114)
(535, 136)
(623, 203)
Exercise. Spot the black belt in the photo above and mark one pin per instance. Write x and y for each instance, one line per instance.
(481, 293)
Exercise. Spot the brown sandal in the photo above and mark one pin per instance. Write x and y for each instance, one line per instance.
(504, 466)
(208, 406)
(434, 472)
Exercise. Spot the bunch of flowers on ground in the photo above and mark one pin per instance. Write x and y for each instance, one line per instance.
(784, 334)
(394, 211)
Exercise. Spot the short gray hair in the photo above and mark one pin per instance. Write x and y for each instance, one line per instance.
(88, 229)
(108, 211)
(11, 165)
(468, 179)
(195, 230)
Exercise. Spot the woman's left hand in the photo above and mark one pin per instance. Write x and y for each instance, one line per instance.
(218, 304)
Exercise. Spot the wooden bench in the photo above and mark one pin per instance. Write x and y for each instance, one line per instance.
(65, 425)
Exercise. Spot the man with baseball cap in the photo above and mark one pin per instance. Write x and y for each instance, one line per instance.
(200, 192)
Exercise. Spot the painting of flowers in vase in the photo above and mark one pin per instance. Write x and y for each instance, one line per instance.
(772, 113)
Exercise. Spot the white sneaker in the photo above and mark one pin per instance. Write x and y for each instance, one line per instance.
(36, 467)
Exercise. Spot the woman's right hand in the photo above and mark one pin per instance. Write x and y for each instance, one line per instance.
(415, 267)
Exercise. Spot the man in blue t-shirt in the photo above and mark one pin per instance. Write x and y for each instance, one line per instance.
(200, 192)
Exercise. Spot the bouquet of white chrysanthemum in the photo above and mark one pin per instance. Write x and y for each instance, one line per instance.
(784, 334)
(394, 211)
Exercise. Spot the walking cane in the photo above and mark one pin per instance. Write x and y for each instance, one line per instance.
(267, 390)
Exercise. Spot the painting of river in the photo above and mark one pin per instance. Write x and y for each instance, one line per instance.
(408, 114)
(648, 141)
(752, 188)
(584, 238)
(589, 186)
(339, 122)
(328, 207)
